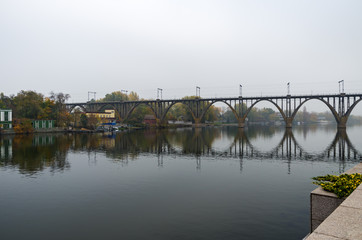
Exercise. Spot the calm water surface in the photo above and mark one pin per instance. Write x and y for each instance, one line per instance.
(210, 183)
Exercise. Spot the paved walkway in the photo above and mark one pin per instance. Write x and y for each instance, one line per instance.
(346, 221)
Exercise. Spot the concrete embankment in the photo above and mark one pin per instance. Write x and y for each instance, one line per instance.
(334, 218)
(50, 130)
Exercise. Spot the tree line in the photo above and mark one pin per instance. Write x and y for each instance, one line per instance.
(30, 105)
(268, 115)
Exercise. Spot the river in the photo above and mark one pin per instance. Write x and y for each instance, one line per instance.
(207, 183)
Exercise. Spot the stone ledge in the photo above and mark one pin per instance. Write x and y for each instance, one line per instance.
(322, 205)
(318, 236)
(343, 223)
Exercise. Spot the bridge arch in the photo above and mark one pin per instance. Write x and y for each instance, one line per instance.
(107, 106)
(331, 108)
(71, 108)
(163, 117)
(129, 113)
(267, 100)
(222, 101)
(348, 113)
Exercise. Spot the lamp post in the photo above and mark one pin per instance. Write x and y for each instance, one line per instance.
(241, 90)
(197, 91)
(288, 88)
(124, 91)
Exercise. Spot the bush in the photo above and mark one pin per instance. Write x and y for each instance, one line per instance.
(342, 185)
(23, 126)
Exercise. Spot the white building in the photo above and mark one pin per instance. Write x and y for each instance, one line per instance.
(6, 118)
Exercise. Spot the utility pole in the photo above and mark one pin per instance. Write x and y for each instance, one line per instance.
(198, 91)
(94, 95)
(159, 93)
(339, 84)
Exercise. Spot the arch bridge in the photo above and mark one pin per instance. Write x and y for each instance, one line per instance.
(340, 105)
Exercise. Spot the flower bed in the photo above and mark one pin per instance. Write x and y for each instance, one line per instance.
(342, 185)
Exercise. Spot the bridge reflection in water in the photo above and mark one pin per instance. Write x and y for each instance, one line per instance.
(199, 143)
(36, 153)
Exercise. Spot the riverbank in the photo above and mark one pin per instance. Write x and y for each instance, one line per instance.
(49, 130)
(84, 130)
(61, 130)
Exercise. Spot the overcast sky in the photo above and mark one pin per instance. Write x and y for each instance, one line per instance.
(103, 46)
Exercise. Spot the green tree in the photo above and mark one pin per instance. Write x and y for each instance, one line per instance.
(212, 114)
(229, 117)
(114, 96)
(182, 112)
(28, 104)
(139, 113)
(5, 101)
(119, 96)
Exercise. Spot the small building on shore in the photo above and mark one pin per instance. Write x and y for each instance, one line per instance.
(107, 116)
(43, 124)
(6, 118)
(149, 120)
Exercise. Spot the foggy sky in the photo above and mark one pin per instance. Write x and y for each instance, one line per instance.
(75, 46)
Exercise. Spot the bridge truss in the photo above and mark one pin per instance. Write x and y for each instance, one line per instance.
(340, 105)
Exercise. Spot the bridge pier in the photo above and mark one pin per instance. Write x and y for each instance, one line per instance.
(342, 133)
(342, 122)
(241, 123)
(289, 122)
(158, 123)
(197, 122)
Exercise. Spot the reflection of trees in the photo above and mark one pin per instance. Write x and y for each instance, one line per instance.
(31, 154)
(127, 145)
(90, 142)
(130, 144)
(194, 141)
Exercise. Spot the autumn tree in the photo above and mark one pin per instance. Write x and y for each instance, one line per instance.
(60, 112)
(92, 121)
(47, 109)
(120, 96)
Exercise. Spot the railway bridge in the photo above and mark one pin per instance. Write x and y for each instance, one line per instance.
(340, 105)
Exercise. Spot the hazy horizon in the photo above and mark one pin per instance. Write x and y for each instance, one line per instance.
(105, 46)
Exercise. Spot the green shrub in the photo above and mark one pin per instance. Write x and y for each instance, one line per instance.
(342, 185)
